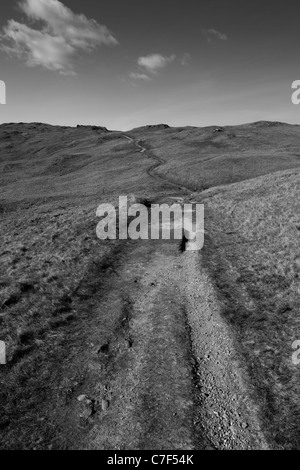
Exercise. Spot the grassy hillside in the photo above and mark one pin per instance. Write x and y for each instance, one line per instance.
(204, 157)
(252, 246)
(51, 262)
(52, 180)
(252, 251)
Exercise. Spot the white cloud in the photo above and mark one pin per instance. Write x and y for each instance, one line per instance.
(62, 35)
(186, 58)
(212, 34)
(139, 76)
(154, 62)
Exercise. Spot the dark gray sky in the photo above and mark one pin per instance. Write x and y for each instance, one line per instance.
(127, 63)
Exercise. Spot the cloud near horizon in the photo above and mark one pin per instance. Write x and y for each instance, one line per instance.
(150, 65)
(58, 42)
(139, 76)
(185, 60)
(212, 34)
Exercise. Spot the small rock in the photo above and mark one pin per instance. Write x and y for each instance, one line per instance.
(86, 413)
(244, 425)
(104, 405)
(82, 398)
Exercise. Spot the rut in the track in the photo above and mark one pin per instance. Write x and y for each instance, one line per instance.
(151, 384)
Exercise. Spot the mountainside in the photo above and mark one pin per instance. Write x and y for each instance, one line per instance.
(65, 294)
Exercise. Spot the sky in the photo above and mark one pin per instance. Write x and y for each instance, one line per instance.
(124, 64)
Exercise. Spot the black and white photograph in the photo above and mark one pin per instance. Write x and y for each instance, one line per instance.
(149, 228)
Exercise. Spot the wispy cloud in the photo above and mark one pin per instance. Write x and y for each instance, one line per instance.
(154, 62)
(139, 76)
(212, 34)
(185, 60)
(150, 65)
(61, 36)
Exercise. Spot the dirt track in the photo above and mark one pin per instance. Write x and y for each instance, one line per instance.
(152, 394)
(151, 171)
(149, 364)
(179, 384)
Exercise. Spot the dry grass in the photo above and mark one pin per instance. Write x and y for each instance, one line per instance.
(253, 253)
(252, 247)
(201, 158)
(51, 262)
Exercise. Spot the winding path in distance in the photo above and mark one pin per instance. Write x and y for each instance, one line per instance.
(151, 171)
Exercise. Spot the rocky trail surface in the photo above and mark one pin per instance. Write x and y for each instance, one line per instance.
(169, 374)
(151, 364)
(168, 369)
